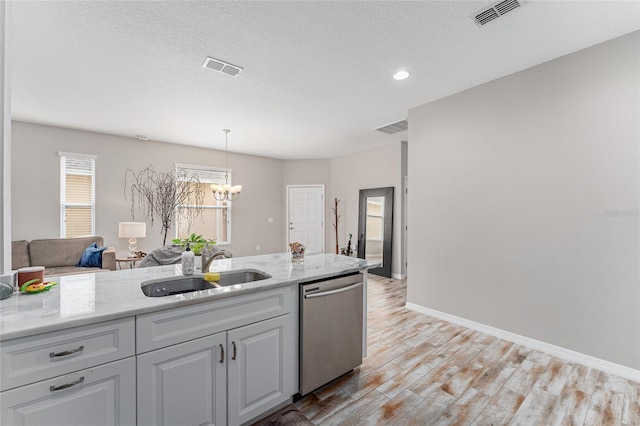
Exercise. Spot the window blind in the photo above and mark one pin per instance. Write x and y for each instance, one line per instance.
(77, 195)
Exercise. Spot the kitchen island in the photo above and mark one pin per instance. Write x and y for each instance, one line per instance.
(96, 350)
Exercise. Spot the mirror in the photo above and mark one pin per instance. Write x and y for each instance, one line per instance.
(375, 228)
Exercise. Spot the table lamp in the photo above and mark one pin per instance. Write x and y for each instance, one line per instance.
(132, 230)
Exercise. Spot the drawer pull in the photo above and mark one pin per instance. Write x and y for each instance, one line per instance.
(65, 353)
(221, 354)
(234, 351)
(65, 386)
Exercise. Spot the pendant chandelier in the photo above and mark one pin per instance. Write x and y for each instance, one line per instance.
(226, 192)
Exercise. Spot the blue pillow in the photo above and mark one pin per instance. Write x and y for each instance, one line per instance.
(92, 256)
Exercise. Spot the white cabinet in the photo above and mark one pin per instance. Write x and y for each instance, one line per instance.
(34, 358)
(246, 365)
(184, 384)
(227, 378)
(224, 362)
(104, 395)
(261, 375)
(81, 376)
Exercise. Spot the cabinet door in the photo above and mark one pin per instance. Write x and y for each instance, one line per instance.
(184, 384)
(103, 395)
(261, 367)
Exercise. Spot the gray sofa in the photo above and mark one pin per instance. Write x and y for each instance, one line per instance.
(59, 256)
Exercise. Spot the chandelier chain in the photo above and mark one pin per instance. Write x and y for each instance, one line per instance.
(226, 192)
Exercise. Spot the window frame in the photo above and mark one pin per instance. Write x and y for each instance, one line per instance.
(228, 207)
(64, 166)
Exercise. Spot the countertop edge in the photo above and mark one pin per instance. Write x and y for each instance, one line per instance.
(196, 298)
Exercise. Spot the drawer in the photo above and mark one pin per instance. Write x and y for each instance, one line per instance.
(34, 358)
(161, 329)
(99, 396)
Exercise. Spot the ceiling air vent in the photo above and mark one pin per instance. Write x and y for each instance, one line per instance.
(392, 128)
(494, 11)
(221, 66)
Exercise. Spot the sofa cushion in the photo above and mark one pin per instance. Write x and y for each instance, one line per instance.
(70, 270)
(20, 254)
(92, 257)
(60, 251)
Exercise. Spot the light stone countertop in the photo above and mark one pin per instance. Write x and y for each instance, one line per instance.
(91, 298)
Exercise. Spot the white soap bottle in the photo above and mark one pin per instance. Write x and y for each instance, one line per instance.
(188, 261)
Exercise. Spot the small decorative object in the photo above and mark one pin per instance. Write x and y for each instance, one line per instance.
(348, 251)
(337, 219)
(36, 286)
(297, 252)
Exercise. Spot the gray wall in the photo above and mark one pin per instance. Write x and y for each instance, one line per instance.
(524, 202)
(35, 186)
(35, 182)
(374, 168)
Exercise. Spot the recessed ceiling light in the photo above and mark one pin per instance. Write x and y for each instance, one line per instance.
(401, 75)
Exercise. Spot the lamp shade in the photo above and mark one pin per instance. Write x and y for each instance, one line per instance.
(132, 229)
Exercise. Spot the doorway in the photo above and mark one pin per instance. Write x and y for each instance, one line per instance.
(305, 216)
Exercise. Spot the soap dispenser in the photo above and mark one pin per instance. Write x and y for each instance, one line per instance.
(188, 261)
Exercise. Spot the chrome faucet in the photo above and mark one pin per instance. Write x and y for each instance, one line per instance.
(208, 256)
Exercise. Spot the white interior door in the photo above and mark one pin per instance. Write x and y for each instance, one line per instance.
(305, 216)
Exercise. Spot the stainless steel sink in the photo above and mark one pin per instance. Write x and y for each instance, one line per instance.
(176, 285)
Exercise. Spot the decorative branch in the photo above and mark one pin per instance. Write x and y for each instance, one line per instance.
(337, 219)
(160, 194)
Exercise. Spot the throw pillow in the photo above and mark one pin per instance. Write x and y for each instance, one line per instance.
(92, 256)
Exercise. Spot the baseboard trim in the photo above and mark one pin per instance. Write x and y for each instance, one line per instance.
(398, 276)
(558, 351)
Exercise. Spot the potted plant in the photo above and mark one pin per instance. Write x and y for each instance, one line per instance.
(196, 242)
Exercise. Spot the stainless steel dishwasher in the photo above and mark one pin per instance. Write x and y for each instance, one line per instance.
(331, 320)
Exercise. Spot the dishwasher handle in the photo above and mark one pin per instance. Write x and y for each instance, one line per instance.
(336, 291)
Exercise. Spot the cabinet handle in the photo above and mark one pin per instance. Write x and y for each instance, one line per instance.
(234, 351)
(65, 353)
(65, 386)
(221, 354)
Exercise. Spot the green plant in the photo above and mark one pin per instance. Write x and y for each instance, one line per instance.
(196, 242)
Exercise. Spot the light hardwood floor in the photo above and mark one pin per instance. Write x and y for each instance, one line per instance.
(424, 371)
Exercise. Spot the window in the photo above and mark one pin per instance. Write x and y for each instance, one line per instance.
(215, 222)
(77, 195)
(375, 218)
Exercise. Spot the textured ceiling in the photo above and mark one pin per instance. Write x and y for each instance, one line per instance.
(317, 75)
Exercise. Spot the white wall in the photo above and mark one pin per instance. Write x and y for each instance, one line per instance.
(35, 186)
(5, 142)
(524, 203)
(373, 168)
